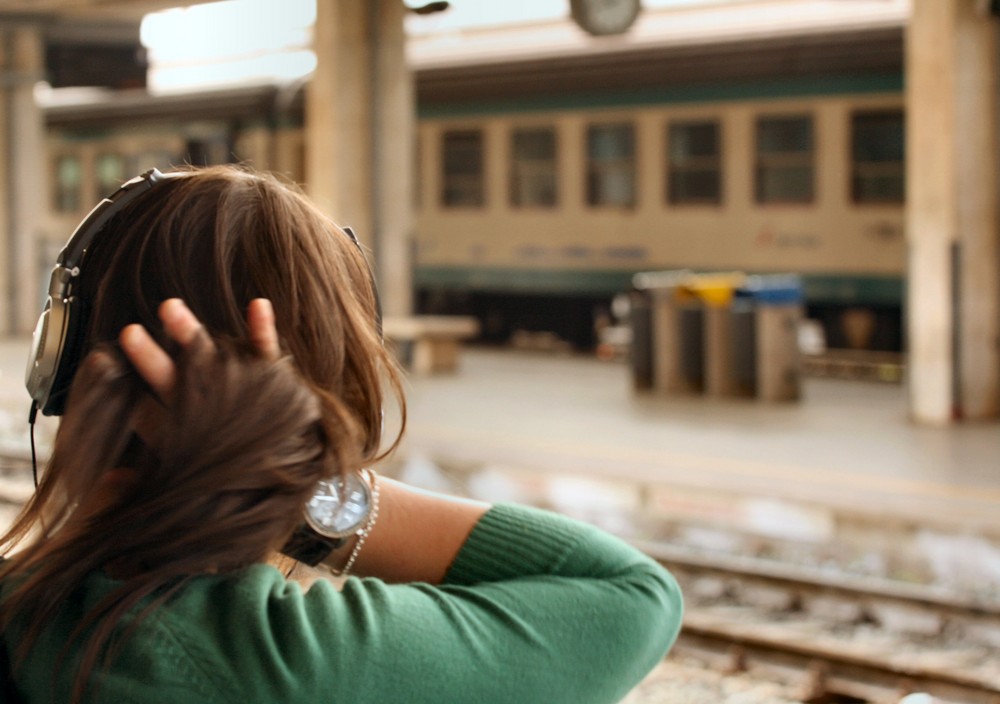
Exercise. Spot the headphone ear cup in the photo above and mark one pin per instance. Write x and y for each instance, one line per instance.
(38, 373)
(69, 356)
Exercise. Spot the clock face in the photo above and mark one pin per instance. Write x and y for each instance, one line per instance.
(602, 17)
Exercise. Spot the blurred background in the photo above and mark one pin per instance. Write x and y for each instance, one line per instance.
(720, 276)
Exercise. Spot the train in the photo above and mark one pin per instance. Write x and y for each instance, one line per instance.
(544, 185)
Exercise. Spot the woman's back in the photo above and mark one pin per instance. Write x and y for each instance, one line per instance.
(581, 620)
(194, 436)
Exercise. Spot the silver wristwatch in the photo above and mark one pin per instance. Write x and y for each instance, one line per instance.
(337, 510)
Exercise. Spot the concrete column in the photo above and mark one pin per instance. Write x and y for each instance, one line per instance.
(6, 77)
(359, 133)
(978, 222)
(24, 182)
(338, 129)
(953, 308)
(394, 116)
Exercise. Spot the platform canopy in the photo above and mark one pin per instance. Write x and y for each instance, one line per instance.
(102, 9)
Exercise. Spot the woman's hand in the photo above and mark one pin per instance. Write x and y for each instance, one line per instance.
(418, 534)
(154, 364)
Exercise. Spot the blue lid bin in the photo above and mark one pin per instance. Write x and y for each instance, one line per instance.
(777, 301)
(773, 289)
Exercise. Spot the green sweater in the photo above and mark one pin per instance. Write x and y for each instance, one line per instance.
(536, 608)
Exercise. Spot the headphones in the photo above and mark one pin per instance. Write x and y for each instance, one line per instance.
(57, 345)
(59, 334)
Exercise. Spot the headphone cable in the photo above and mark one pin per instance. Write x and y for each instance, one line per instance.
(31, 434)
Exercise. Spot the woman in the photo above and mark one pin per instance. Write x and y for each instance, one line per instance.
(232, 364)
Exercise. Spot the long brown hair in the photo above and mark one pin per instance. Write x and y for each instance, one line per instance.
(227, 482)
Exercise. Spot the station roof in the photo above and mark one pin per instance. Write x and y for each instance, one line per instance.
(89, 42)
(694, 44)
(106, 10)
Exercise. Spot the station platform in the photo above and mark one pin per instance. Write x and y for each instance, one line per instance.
(840, 478)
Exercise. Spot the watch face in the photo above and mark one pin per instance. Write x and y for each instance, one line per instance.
(330, 516)
(600, 17)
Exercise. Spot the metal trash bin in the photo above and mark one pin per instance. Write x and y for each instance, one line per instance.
(743, 346)
(778, 304)
(641, 347)
(715, 293)
(676, 332)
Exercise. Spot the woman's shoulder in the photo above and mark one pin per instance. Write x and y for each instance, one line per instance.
(252, 587)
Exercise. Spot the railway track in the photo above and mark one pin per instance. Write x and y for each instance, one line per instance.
(833, 638)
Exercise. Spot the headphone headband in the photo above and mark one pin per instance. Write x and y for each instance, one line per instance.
(57, 338)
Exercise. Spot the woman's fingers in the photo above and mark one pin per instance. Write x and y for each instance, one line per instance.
(263, 333)
(156, 366)
(149, 359)
(179, 322)
(152, 361)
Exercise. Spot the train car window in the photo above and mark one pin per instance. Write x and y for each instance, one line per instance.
(694, 172)
(877, 159)
(68, 182)
(611, 165)
(110, 170)
(533, 167)
(208, 151)
(784, 168)
(152, 158)
(462, 160)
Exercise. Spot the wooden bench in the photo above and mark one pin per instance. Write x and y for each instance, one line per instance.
(429, 344)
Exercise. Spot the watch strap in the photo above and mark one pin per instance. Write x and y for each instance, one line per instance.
(309, 546)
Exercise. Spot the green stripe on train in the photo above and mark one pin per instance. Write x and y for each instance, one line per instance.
(745, 90)
(843, 289)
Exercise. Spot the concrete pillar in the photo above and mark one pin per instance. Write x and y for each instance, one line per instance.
(953, 306)
(359, 133)
(6, 227)
(24, 181)
(394, 116)
(978, 221)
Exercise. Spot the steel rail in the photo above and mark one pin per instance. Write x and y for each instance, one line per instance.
(799, 645)
(829, 669)
(808, 579)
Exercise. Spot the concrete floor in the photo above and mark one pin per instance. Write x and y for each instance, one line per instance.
(845, 444)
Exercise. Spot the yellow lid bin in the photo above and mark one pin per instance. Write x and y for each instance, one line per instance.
(715, 290)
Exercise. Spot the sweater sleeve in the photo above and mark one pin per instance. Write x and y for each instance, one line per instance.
(536, 608)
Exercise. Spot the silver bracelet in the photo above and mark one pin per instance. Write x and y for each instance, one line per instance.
(363, 531)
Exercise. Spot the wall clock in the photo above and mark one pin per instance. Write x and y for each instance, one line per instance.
(603, 17)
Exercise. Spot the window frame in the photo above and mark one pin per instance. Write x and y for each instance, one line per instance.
(695, 164)
(472, 181)
(786, 160)
(516, 165)
(58, 192)
(893, 167)
(593, 169)
(105, 189)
